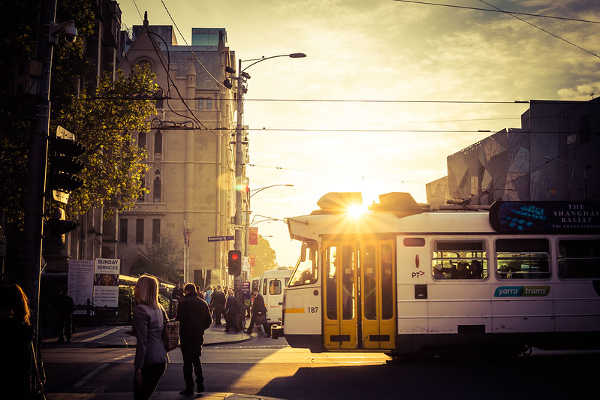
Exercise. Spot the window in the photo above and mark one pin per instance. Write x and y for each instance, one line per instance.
(331, 282)
(414, 242)
(139, 231)
(156, 231)
(264, 287)
(158, 142)
(461, 259)
(142, 195)
(274, 287)
(306, 270)
(157, 189)
(123, 230)
(142, 140)
(209, 104)
(522, 259)
(579, 259)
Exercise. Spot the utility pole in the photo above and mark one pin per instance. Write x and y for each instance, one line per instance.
(239, 160)
(35, 206)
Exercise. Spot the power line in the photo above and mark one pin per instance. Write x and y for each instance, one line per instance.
(194, 54)
(169, 78)
(310, 130)
(138, 10)
(498, 11)
(543, 30)
(335, 100)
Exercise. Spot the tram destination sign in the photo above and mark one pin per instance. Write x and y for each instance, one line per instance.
(545, 217)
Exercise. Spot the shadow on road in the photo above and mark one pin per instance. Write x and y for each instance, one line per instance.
(539, 377)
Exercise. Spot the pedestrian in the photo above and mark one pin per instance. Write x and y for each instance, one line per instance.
(218, 305)
(64, 308)
(16, 335)
(207, 294)
(150, 354)
(194, 318)
(232, 313)
(259, 312)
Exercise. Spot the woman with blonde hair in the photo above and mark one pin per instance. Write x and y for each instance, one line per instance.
(150, 354)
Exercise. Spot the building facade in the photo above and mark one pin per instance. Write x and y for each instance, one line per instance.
(552, 157)
(190, 154)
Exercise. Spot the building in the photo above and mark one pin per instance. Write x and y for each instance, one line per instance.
(553, 156)
(191, 158)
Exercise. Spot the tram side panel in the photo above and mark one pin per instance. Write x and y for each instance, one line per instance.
(302, 317)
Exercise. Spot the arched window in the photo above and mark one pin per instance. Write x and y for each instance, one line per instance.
(158, 142)
(157, 188)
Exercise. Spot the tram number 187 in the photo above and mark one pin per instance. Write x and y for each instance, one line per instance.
(313, 309)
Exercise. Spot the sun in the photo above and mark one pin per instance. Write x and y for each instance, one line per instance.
(355, 211)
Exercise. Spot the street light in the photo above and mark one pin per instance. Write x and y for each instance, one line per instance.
(242, 78)
(256, 191)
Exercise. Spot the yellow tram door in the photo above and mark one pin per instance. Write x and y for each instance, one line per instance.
(378, 294)
(340, 301)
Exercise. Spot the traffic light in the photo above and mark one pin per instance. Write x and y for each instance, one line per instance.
(234, 262)
(62, 167)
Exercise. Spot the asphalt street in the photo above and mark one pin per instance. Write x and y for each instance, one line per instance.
(267, 367)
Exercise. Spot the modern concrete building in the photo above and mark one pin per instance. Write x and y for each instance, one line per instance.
(553, 156)
(190, 151)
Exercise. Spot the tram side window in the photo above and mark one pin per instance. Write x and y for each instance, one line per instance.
(579, 259)
(522, 259)
(306, 270)
(459, 259)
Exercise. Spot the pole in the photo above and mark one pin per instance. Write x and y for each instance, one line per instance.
(35, 199)
(238, 158)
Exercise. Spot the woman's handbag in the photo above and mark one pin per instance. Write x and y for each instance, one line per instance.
(170, 333)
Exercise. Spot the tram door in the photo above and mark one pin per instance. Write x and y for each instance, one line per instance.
(378, 294)
(359, 288)
(340, 291)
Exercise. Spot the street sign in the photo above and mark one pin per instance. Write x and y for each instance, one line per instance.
(253, 235)
(219, 238)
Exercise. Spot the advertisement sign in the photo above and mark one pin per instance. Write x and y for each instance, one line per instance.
(253, 235)
(80, 281)
(545, 217)
(106, 282)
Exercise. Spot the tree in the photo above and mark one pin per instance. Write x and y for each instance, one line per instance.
(264, 257)
(161, 260)
(105, 125)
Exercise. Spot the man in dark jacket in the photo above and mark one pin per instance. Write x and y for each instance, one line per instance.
(217, 302)
(259, 312)
(64, 309)
(194, 318)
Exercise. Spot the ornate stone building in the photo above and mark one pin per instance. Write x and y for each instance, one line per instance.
(191, 156)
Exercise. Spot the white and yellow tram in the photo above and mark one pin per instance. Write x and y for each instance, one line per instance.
(403, 278)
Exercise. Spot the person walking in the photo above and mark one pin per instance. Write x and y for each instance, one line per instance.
(64, 308)
(150, 354)
(194, 318)
(16, 335)
(259, 313)
(218, 305)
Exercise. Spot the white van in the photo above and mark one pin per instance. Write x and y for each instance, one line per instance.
(272, 285)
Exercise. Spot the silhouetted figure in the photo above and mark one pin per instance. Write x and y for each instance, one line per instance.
(194, 318)
(64, 309)
(259, 313)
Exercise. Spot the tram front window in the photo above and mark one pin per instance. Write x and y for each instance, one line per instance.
(306, 270)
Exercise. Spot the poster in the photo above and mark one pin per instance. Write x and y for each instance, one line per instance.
(106, 282)
(80, 281)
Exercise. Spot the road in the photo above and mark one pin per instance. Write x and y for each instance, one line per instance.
(269, 367)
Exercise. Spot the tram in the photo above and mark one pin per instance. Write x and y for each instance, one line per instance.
(403, 278)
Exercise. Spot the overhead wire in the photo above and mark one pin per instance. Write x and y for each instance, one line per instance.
(499, 11)
(170, 79)
(545, 31)
(138, 10)
(192, 51)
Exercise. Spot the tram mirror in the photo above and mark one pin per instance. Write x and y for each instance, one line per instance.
(303, 252)
(312, 254)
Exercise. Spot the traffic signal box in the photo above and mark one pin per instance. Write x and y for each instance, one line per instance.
(234, 262)
(63, 166)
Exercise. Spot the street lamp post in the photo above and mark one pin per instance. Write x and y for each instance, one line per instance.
(241, 78)
(246, 224)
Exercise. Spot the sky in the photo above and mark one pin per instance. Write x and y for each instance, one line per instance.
(383, 50)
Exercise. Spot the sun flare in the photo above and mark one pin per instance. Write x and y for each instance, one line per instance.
(356, 211)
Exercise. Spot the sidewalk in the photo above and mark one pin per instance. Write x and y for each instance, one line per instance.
(120, 336)
(156, 396)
